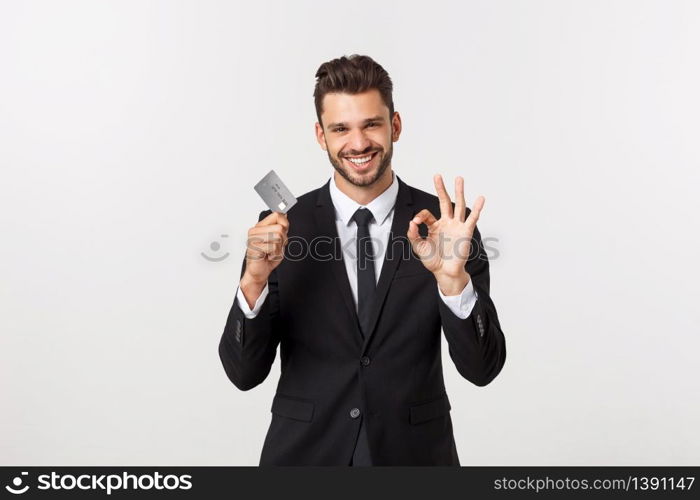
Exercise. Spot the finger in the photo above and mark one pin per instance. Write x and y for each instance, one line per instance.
(271, 218)
(424, 217)
(277, 254)
(254, 253)
(412, 233)
(266, 247)
(445, 202)
(283, 220)
(266, 238)
(277, 248)
(460, 204)
(274, 218)
(278, 229)
(476, 211)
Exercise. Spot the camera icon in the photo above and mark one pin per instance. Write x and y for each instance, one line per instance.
(16, 487)
(215, 246)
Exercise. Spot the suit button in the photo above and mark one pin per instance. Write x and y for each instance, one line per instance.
(238, 331)
(355, 412)
(481, 325)
(364, 360)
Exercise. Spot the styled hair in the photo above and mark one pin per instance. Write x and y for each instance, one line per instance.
(352, 75)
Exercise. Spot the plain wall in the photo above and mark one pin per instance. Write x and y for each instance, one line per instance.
(132, 133)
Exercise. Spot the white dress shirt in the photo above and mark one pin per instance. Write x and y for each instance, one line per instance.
(382, 207)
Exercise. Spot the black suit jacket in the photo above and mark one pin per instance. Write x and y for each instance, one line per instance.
(393, 375)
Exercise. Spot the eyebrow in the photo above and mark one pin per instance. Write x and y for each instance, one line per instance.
(343, 124)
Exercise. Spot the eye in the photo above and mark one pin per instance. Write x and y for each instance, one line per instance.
(339, 129)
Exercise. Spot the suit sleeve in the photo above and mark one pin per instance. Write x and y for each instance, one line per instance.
(476, 344)
(248, 346)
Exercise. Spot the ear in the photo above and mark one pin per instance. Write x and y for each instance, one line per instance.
(395, 127)
(320, 136)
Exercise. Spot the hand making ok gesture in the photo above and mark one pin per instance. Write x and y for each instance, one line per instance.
(446, 249)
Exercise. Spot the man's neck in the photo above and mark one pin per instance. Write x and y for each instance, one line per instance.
(364, 194)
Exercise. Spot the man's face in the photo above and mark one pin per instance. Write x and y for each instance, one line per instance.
(358, 135)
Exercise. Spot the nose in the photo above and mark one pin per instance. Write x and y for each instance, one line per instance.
(358, 143)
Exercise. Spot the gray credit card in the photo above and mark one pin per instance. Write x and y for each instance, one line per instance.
(274, 193)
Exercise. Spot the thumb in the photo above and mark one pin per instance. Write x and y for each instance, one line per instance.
(413, 235)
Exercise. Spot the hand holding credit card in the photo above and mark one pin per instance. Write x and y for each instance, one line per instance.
(267, 239)
(274, 193)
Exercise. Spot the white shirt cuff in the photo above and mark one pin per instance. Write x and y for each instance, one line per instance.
(461, 305)
(243, 304)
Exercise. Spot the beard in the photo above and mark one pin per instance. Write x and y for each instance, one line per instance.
(359, 180)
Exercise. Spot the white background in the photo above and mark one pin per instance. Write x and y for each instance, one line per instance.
(131, 134)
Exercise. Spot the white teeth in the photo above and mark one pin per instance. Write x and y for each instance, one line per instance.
(360, 161)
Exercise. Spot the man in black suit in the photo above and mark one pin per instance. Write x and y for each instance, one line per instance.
(354, 284)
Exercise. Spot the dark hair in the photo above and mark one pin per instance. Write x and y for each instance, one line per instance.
(352, 75)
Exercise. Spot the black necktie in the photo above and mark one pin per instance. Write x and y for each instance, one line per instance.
(366, 283)
(366, 286)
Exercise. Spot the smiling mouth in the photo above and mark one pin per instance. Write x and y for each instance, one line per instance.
(361, 163)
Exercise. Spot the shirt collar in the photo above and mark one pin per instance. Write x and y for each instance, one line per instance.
(345, 207)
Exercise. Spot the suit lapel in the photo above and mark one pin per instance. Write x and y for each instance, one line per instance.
(403, 212)
(325, 226)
